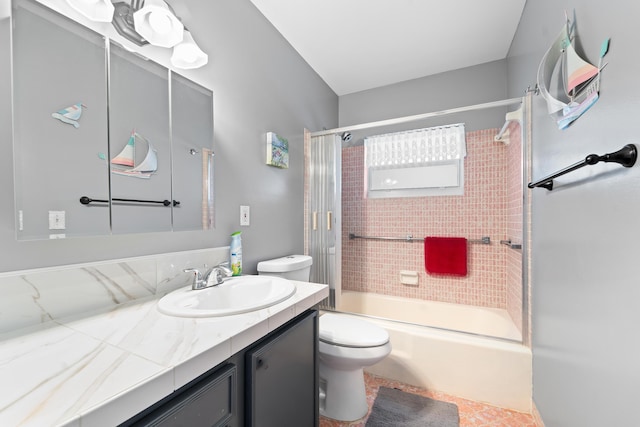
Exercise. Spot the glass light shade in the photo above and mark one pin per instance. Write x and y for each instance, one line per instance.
(187, 54)
(95, 10)
(157, 24)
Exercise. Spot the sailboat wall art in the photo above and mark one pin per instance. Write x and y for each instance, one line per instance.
(577, 80)
(125, 162)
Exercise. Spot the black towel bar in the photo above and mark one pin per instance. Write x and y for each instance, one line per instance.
(86, 200)
(626, 156)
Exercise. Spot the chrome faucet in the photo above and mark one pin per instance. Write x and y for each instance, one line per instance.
(213, 277)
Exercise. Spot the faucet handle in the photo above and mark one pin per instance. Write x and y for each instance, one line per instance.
(198, 281)
(215, 277)
(195, 271)
(226, 271)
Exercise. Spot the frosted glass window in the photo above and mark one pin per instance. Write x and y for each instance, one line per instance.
(421, 162)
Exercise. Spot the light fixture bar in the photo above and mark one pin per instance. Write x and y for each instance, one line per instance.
(123, 23)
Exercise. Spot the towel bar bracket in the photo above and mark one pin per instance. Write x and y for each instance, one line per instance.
(511, 244)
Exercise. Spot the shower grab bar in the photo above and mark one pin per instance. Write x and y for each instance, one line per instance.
(626, 156)
(409, 238)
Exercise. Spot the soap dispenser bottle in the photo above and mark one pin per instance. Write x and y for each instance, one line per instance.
(235, 253)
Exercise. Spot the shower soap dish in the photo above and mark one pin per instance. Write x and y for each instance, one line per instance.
(409, 277)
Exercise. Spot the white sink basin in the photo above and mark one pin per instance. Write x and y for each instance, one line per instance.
(236, 295)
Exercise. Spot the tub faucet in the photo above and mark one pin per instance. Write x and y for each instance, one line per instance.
(213, 277)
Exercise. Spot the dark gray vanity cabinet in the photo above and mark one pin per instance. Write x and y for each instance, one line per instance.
(271, 383)
(282, 377)
(208, 401)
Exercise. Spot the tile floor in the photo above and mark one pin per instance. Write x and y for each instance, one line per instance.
(471, 413)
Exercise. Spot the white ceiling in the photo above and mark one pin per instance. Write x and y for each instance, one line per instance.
(356, 45)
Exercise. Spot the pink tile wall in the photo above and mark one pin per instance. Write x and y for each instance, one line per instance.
(374, 266)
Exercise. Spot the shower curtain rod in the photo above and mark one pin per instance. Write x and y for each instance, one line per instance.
(406, 119)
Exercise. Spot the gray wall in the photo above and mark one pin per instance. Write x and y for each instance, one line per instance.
(586, 243)
(459, 88)
(260, 84)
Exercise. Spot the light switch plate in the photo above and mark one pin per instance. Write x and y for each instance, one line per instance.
(245, 215)
(57, 220)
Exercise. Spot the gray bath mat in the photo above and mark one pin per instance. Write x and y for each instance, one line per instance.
(396, 408)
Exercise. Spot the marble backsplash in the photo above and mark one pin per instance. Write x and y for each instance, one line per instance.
(33, 297)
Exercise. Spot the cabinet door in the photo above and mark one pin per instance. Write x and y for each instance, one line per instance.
(282, 377)
(208, 403)
(60, 124)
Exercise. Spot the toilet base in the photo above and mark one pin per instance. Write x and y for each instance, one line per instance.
(342, 394)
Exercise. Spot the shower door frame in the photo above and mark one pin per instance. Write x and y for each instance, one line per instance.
(328, 220)
(525, 127)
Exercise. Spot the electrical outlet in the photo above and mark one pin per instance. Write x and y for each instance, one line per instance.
(245, 215)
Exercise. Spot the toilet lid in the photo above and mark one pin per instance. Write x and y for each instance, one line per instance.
(345, 330)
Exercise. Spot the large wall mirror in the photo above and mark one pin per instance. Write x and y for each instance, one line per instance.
(105, 140)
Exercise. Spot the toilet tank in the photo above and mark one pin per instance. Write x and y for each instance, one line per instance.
(292, 267)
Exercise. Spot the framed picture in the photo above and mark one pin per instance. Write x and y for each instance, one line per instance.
(277, 151)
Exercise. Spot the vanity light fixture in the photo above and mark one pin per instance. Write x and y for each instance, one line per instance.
(147, 22)
(96, 10)
(187, 55)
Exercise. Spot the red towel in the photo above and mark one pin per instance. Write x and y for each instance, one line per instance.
(445, 255)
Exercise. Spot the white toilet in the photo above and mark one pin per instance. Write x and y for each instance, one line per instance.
(292, 267)
(347, 345)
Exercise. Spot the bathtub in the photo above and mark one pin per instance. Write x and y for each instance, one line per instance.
(471, 365)
(491, 322)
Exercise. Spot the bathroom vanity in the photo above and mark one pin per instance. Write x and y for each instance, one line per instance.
(86, 345)
(273, 382)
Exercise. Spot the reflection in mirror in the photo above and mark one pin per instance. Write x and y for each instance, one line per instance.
(60, 124)
(192, 136)
(99, 131)
(139, 142)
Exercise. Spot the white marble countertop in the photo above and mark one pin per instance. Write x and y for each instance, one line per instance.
(100, 369)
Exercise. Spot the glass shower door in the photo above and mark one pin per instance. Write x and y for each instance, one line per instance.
(323, 211)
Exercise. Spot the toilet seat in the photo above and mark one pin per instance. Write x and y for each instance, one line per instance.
(349, 332)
